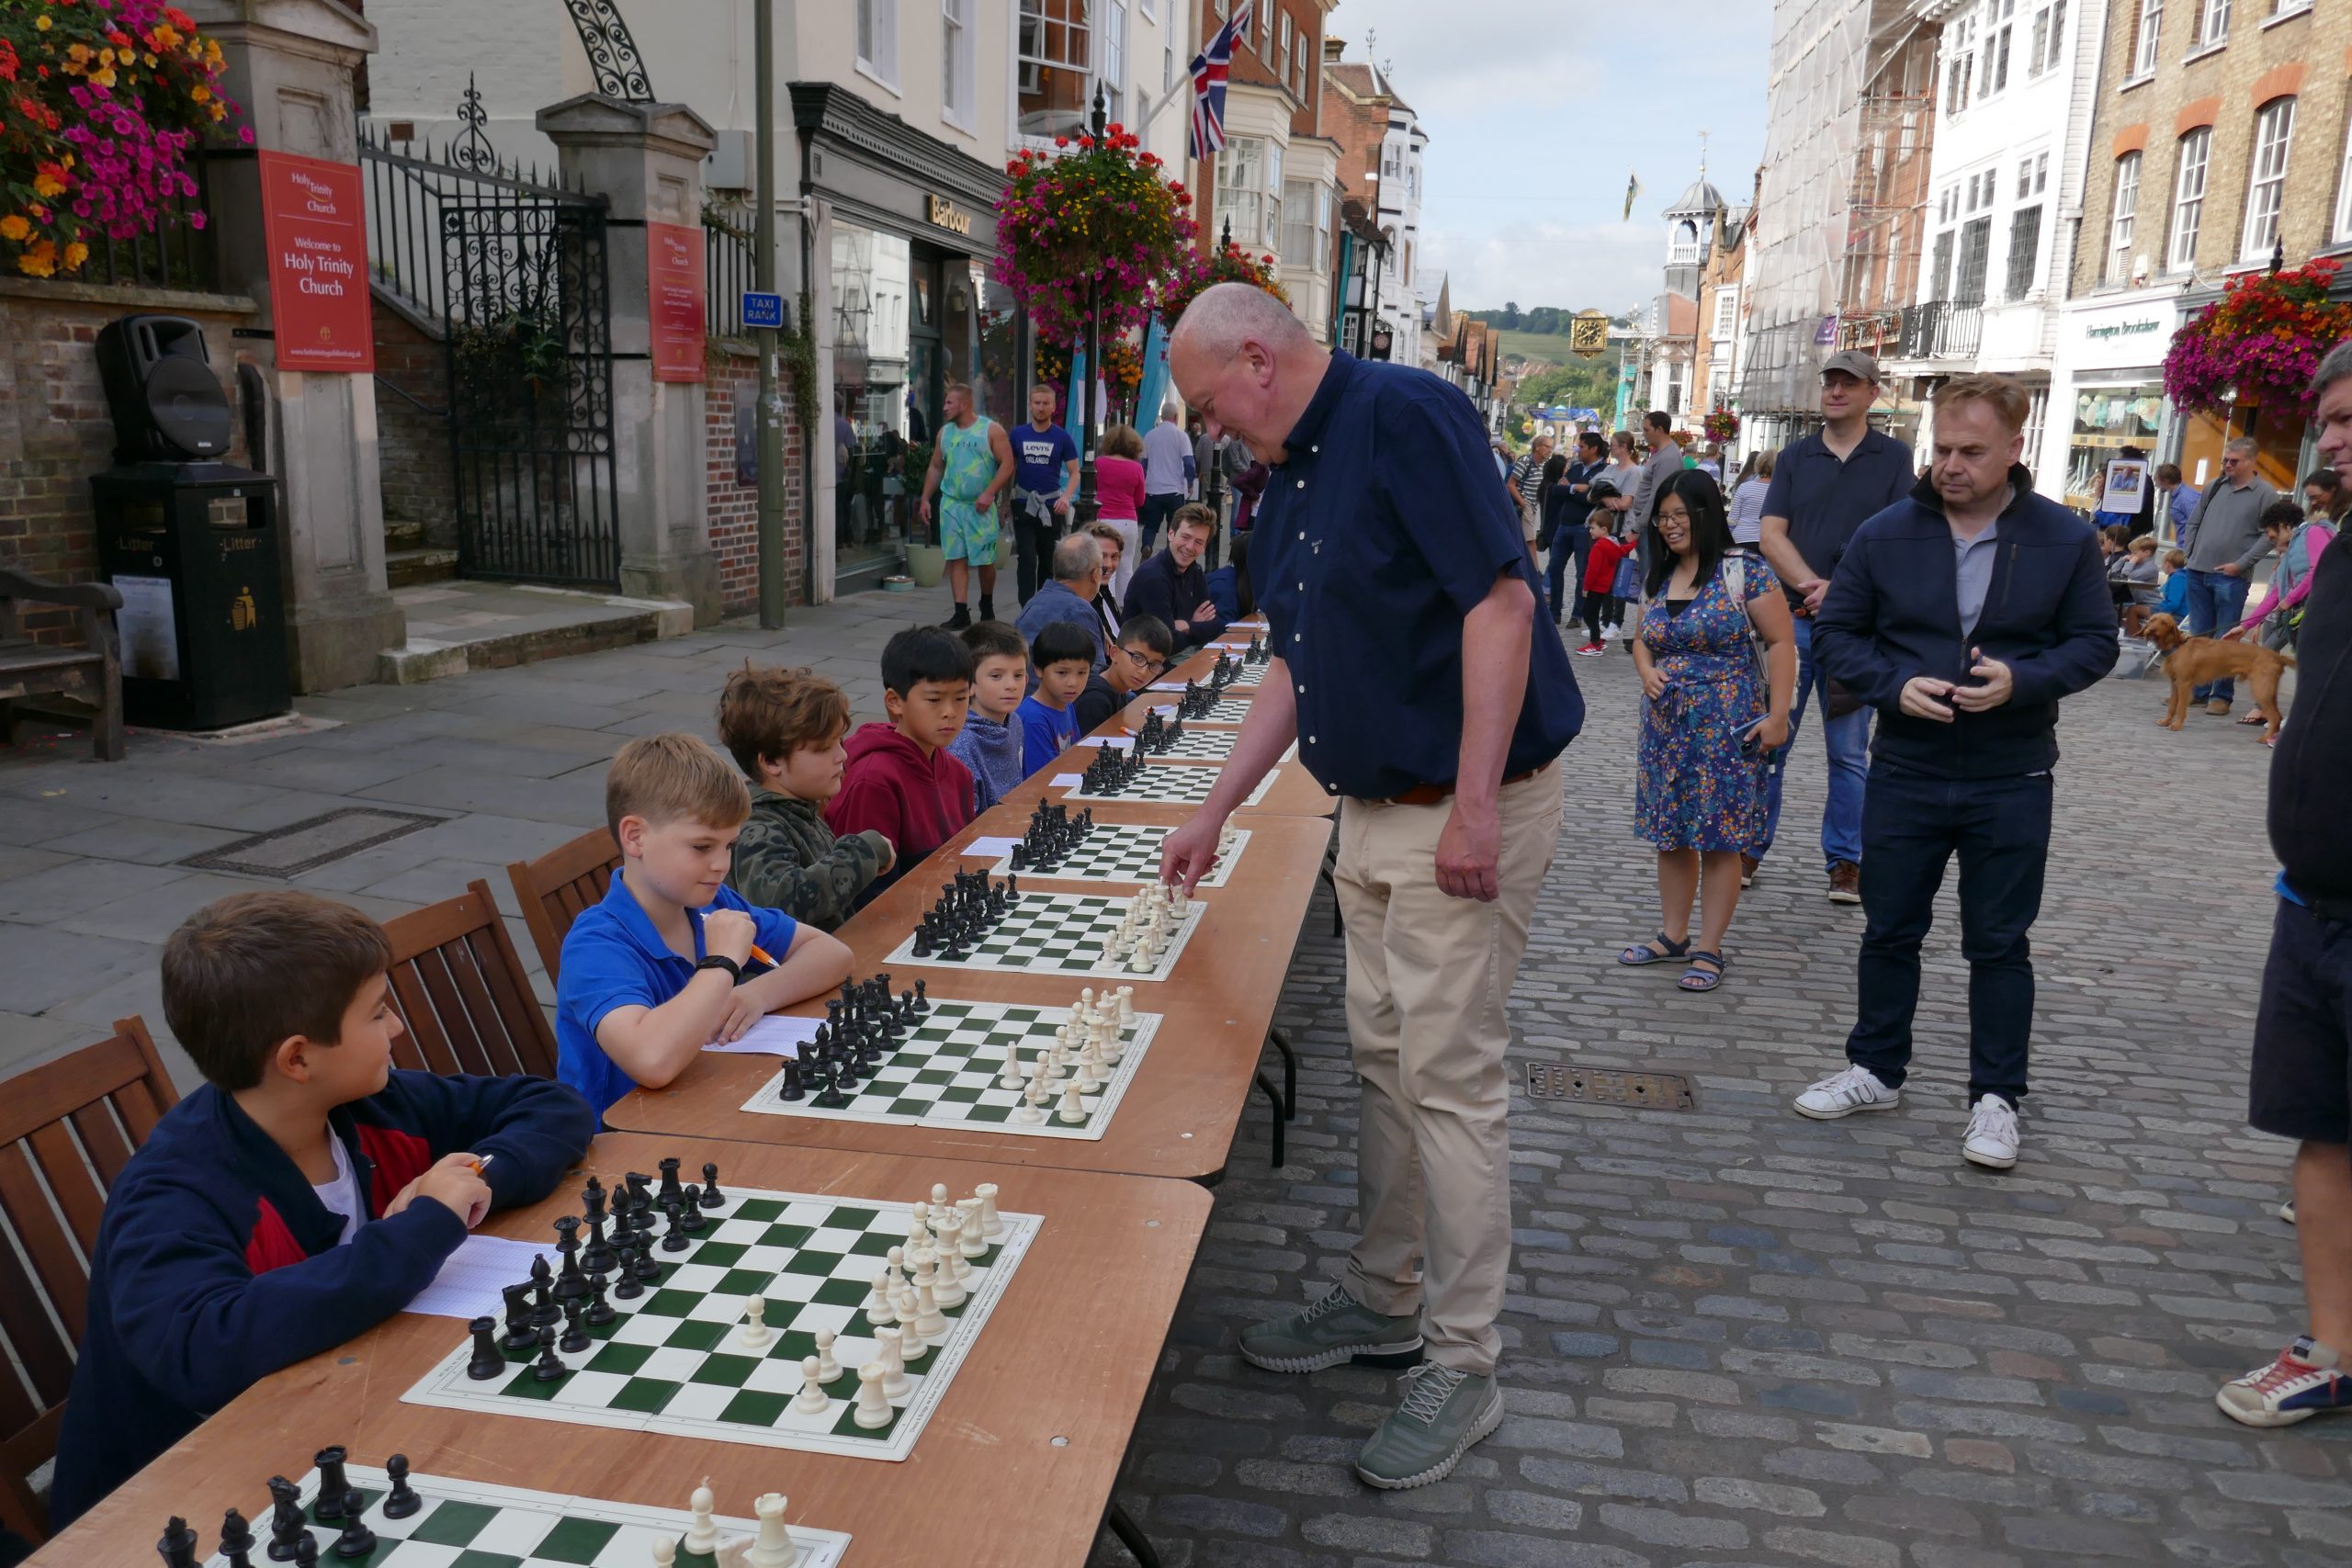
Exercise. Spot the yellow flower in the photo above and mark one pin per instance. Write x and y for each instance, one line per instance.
(106, 57)
(47, 184)
(102, 78)
(148, 60)
(200, 94)
(14, 227)
(38, 261)
(75, 254)
(40, 23)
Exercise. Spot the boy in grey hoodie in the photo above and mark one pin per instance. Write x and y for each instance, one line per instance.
(784, 729)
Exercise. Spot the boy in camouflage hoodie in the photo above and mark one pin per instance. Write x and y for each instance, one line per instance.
(784, 729)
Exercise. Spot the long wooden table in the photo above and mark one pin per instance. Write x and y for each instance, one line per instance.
(1179, 1116)
(1016, 1468)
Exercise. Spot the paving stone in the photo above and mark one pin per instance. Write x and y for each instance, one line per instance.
(1826, 1546)
(1730, 1491)
(1658, 1527)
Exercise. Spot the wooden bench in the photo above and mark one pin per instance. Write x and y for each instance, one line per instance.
(91, 673)
(560, 886)
(460, 987)
(67, 1128)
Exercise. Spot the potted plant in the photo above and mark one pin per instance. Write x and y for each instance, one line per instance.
(1231, 263)
(926, 562)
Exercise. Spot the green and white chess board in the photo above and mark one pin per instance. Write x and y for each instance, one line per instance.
(1062, 933)
(1169, 783)
(673, 1360)
(471, 1524)
(948, 1072)
(1119, 852)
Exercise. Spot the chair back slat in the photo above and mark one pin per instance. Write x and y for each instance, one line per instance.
(561, 884)
(462, 990)
(67, 1130)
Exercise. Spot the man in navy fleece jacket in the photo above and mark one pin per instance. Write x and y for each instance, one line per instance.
(304, 1195)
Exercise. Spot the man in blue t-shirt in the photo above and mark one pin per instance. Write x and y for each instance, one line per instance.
(1045, 478)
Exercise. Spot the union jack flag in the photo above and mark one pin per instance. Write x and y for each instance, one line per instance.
(1209, 70)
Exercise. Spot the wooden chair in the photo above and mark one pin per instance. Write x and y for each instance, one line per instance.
(462, 990)
(67, 1128)
(560, 886)
(91, 673)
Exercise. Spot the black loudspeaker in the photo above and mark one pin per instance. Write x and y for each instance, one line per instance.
(168, 405)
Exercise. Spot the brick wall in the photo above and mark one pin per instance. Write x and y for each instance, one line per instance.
(733, 509)
(54, 428)
(413, 440)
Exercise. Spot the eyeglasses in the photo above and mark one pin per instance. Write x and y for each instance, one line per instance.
(1149, 666)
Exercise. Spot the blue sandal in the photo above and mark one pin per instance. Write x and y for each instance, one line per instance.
(1697, 979)
(1643, 952)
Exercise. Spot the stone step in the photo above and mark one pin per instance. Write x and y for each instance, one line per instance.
(463, 624)
(409, 568)
(403, 535)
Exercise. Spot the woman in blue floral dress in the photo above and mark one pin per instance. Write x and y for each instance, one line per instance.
(1713, 715)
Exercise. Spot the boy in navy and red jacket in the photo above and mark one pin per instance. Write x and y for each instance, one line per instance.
(901, 782)
(305, 1193)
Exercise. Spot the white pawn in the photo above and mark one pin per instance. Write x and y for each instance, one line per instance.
(1031, 1109)
(756, 1335)
(938, 1194)
(908, 1310)
(827, 1368)
(873, 1409)
(1145, 958)
(775, 1548)
(992, 1223)
(930, 1322)
(898, 1261)
(811, 1400)
(1072, 1112)
(975, 1244)
(1085, 1008)
(877, 1305)
(1126, 1007)
(665, 1551)
(1011, 1076)
(890, 1356)
(916, 1230)
(702, 1535)
(1090, 1065)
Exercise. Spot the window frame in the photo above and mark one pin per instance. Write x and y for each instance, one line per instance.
(1111, 69)
(2022, 267)
(2279, 113)
(2123, 217)
(2147, 40)
(2212, 24)
(2185, 201)
(2341, 229)
(874, 40)
(958, 68)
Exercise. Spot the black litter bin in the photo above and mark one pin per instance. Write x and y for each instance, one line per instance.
(193, 550)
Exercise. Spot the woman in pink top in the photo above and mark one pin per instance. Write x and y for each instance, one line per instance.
(1118, 491)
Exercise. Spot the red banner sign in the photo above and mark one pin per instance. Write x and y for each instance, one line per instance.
(315, 217)
(674, 272)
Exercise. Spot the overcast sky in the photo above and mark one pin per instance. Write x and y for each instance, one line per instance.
(1537, 109)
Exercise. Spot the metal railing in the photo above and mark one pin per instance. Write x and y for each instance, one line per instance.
(729, 266)
(180, 252)
(1942, 329)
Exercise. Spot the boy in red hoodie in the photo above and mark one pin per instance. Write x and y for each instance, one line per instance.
(1600, 576)
(901, 781)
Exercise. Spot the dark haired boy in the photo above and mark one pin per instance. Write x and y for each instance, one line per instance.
(990, 742)
(305, 1193)
(785, 727)
(1137, 659)
(1063, 655)
(901, 781)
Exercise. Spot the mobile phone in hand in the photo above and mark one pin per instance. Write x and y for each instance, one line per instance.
(1751, 739)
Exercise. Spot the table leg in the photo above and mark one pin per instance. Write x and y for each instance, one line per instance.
(1114, 1518)
(1281, 1115)
(1290, 1073)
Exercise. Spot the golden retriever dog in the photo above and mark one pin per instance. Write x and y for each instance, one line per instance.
(2192, 661)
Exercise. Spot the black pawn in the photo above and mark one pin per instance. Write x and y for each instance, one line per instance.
(690, 1212)
(923, 1001)
(791, 1089)
(487, 1363)
(673, 1238)
(286, 1524)
(600, 1311)
(236, 1539)
(549, 1367)
(830, 1097)
(306, 1550)
(624, 1264)
(648, 1266)
(179, 1545)
(575, 1331)
(332, 1484)
(522, 1324)
(403, 1500)
(357, 1539)
(711, 1196)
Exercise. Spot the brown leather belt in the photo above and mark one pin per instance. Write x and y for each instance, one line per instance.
(1431, 794)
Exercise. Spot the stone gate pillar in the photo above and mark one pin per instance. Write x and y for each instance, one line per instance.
(646, 160)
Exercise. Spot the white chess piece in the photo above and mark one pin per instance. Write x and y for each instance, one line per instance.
(1031, 1109)
(1011, 1076)
(828, 1368)
(1144, 959)
(949, 1287)
(877, 1305)
(702, 1535)
(909, 1308)
(930, 1322)
(991, 1223)
(938, 1194)
(1126, 1007)
(1072, 1111)
(918, 1232)
(975, 1244)
(889, 1354)
(775, 1548)
(873, 1408)
(811, 1400)
(898, 1261)
(756, 1335)
(665, 1551)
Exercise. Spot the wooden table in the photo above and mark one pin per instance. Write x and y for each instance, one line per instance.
(1179, 1116)
(1015, 1467)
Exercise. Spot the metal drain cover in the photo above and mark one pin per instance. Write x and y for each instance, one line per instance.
(305, 846)
(1609, 1085)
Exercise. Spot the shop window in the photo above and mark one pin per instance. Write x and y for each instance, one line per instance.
(1056, 61)
(2189, 197)
(2107, 420)
(877, 40)
(2274, 132)
(2143, 46)
(2122, 214)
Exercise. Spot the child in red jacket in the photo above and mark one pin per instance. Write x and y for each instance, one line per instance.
(901, 781)
(1600, 576)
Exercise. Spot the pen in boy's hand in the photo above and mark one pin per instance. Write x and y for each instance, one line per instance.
(761, 954)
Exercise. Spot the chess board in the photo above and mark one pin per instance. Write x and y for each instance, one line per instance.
(472, 1524)
(1119, 852)
(1061, 933)
(944, 1074)
(1172, 783)
(672, 1360)
(1200, 746)
(1224, 710)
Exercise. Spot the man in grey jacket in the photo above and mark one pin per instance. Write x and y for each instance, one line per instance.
(2229, 542)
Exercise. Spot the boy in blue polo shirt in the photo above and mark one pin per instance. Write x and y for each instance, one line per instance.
(1065, 658)
(673, 959)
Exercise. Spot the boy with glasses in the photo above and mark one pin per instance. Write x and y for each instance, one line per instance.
(1136, 660)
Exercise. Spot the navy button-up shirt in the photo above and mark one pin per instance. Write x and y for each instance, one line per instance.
(1826, 497)
(1381, 530)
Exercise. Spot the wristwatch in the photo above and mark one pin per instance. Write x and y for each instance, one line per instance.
(720, 961)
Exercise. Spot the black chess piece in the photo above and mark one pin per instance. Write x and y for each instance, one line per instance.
(403, 1500)
(549, 1367)
(829, 1098)
(712, 1198)
(179, 1545)
(571, 1285)
(923, 1001)
(575, 1331)
(600, 1311)
(327, 1508)
(627, 1288)
(357, 1539)
(285, 1521)
(791, 1089)
(690, 1212)
(673, 1238)
(306, 1550)
(543, 1308)
(670, 1187)
(522, 1326)
(487, 1363)
(236, 1539)
(648, 1266)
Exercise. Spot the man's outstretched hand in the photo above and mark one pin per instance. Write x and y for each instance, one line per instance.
(1189, 854)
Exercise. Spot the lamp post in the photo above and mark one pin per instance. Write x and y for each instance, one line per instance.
(770, 528)
(1088, 509)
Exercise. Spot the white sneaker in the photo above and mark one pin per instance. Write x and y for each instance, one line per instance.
(1856, 1088)
(1992, 1139)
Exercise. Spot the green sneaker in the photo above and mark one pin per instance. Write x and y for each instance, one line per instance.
(1444, 1412)
(1334, 1329)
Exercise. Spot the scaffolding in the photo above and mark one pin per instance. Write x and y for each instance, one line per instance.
(1848, 127)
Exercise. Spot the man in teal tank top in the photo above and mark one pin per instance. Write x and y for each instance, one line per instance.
(969, 468)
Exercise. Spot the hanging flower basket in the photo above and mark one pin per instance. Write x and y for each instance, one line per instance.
(101, 102)
(2258, 343)
(1122, 368)
(1231, 263)
(1098, 210)
(1721, 425)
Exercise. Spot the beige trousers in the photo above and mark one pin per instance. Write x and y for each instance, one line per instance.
(1428, 975)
